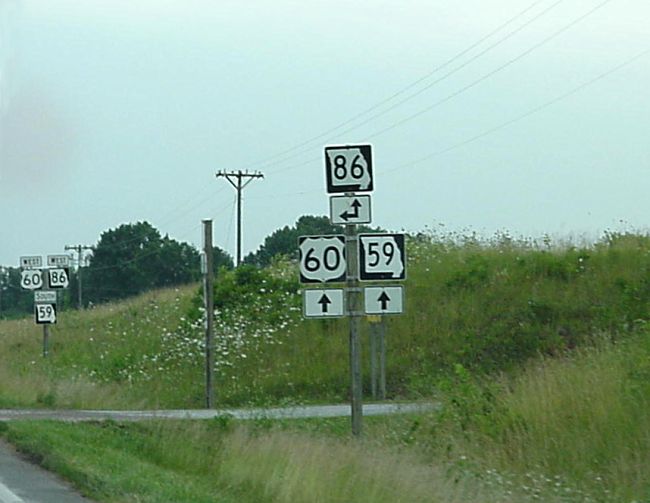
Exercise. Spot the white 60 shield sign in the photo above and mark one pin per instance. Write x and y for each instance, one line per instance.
(322, 259)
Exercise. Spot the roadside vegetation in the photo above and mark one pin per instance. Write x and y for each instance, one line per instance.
(570, 429)
(539, 354)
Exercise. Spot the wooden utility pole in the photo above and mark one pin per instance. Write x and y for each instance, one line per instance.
(239, 180)
(208, 295)
(80, 250)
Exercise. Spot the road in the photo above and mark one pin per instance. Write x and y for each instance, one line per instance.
(307, 411)
(23, 482)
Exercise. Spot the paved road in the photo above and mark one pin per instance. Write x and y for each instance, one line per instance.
(275, 413)
(22, 482)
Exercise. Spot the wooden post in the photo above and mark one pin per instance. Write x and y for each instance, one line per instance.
(208, 296)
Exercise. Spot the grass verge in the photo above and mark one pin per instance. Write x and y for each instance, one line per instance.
(575, 429)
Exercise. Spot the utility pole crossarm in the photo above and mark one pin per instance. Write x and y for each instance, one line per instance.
(239, 180)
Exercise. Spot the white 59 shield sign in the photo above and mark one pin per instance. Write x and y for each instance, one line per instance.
(322, 259)
(382, 257)
(45, 314)
(348, 168)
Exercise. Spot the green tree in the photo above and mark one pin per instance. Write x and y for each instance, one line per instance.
(221, 260)
(134, 258)
(14, 301)
(284, 241)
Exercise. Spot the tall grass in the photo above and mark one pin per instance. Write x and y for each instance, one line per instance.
(99, 358)
(217, 462)
(581, 423)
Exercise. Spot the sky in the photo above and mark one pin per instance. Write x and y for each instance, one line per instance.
(518, 116)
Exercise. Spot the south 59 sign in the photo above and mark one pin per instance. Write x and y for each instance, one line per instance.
(322, 259)
(45, 314)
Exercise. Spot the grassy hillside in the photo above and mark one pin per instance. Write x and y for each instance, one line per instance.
(99, 358)
(539, 354)
(484, 306)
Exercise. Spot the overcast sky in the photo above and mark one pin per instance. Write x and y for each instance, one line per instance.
(530, 117)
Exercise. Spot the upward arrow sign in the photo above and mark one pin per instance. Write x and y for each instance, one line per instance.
(346, 215)
(324, 303)
(384, 299)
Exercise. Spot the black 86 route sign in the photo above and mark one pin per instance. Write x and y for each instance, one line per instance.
(348, 168)
(322, 259)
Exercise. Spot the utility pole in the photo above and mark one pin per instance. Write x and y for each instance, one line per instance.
(239, 180)
(79, 249)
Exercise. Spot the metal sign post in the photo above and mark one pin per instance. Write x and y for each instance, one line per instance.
(354, 314)
(373, 336)
(382, 359)
(46, 340)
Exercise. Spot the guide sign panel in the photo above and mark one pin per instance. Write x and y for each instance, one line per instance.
(383, 299)
(323, 303)
(58, 278)
(350, 209)
(31, 279)
(45, 313)
(348, 168)
(382, 257)
(45, 297)
(31, 262)
(58, 260)
(322, 259)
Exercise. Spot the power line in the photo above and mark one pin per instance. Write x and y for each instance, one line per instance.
(530, 112)
(486, 76)
(231, 218)
(266, 162)
(462, 90)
